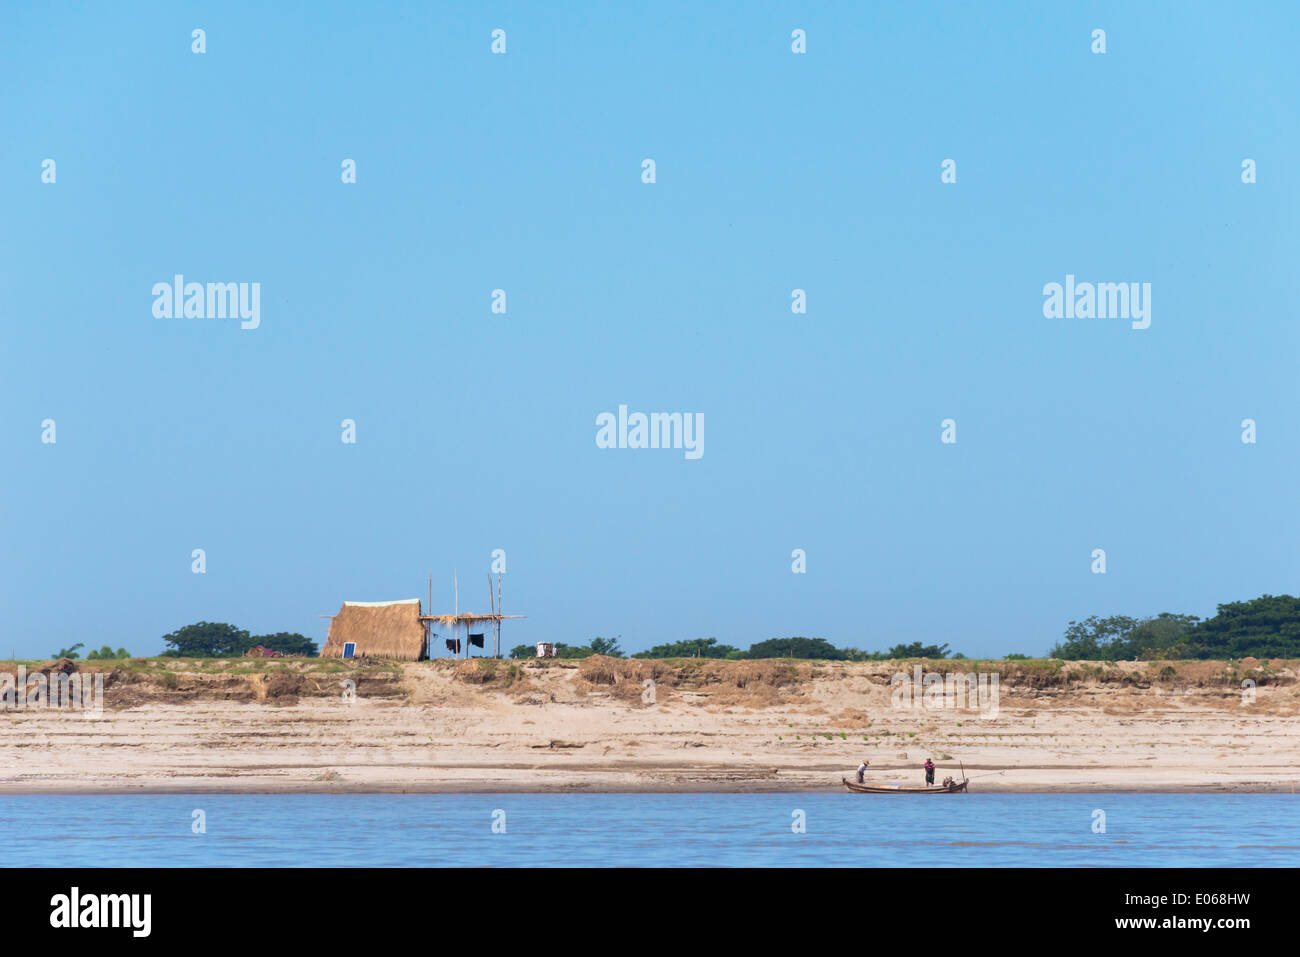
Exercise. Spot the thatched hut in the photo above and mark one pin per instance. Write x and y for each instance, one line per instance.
(378, 629)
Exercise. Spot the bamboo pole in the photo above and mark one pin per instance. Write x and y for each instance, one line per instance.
(455, 625)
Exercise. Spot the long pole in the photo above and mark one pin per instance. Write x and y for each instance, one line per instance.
(455, 627)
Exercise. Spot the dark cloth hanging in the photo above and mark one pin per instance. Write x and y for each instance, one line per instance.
(476, 641)
(453, 645)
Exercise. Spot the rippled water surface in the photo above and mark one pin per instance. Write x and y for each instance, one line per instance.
(838, 829)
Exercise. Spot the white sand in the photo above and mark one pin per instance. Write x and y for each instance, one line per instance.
(558, 735)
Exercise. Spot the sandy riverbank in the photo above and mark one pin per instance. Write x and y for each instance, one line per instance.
(288, 726)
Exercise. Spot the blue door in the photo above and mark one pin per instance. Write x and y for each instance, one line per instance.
(349, 649)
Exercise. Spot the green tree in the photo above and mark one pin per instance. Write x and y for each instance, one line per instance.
(572, 651)
(1121, 638)
(561, 651)
(1164, 636)
(606, 646)
(286, 642)
(598, 646)
(1094, 638)
(206, 639)
(107, 653)
(918, 650)
(689, 648)
(1264, 627)
(817, 649)
(70, 652)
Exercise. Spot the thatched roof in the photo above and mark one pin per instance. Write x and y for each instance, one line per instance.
(380, 629)
(466, 618)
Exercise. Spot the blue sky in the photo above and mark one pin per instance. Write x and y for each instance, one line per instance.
(522, 171)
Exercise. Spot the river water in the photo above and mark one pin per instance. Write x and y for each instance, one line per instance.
(652, 830)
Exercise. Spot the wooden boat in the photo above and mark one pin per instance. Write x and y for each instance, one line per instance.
(956, 787)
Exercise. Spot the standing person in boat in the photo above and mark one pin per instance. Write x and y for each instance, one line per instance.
(862, 771)
(929, 771)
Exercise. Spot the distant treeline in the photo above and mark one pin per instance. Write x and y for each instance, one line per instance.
(1265, 627)
(814, 649)
(598, 646)
(818, 649)
(106, 653)
(208, 639)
